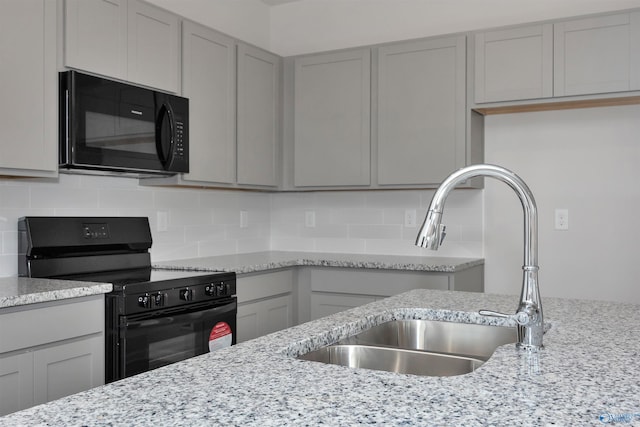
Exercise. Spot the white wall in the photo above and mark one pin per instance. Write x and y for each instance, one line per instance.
(207, 222)
(373, 222)
(315, 25)
(586, 161)
(200, 222)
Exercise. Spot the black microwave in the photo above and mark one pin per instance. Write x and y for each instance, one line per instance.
(108, 126)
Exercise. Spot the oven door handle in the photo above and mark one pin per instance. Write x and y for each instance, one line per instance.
(168, 318)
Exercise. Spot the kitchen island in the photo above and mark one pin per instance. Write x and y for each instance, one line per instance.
(586, 375)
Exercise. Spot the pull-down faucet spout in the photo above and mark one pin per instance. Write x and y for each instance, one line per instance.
(529, 312)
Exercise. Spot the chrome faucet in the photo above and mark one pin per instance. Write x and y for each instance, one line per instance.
(528, 315)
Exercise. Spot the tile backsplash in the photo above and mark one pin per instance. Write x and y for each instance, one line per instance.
(207, 222)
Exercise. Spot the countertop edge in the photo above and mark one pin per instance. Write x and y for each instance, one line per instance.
(247, 263)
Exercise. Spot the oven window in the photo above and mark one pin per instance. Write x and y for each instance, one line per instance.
(149, 343)
(171, 350)
(158, 343)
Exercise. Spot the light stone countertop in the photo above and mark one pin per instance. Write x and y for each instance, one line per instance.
(587, 375)
(17, 291)
(269, 260)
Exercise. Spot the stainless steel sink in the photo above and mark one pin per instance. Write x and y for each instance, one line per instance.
(479, 341)
(402, 361)
(421, 347)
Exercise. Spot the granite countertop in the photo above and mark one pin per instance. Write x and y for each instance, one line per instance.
(586, 375)
(17, 291)
(262, 261)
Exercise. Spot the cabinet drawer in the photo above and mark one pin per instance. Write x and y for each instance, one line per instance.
(40, 324)
(264, 285)
(374, 282)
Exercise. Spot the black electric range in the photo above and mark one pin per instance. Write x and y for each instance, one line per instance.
(153, 317)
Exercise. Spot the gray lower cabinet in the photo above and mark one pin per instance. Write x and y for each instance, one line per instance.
(332, 119)
(265, 303)
(421, 110)
(124, 39)
(333, 290)
(514, 64)
(29, 88)
(50, 350)
(597, 55)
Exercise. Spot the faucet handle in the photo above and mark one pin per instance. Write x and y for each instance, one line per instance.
(521, 318)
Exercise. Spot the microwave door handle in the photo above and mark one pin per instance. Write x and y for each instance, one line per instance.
(165, 150)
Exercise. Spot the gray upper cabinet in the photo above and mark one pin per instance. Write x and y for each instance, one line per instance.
(29, 142)
(421, 110)
(514, 64)
(124, 39)
(209, 81)
(96, 36)
(153, 38)
(332, 119)
(258, 116)
(597, 55)
(234, 112)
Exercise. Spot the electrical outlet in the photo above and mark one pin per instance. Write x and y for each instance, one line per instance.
(244, 219)
(410, 218)
(310, 219)
(562, 219)
(162, 221)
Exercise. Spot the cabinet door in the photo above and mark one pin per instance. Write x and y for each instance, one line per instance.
(327, 304)
(264, 317)
(209, 82)
(96, 36)
(152, 51)
(16, 383)
(68, 368)
(332, 118)
(421, 110)
(514, 64)
(258, 116)
(29, 142)
(597, 55)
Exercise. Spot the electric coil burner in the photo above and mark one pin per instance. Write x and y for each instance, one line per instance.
(153, 317)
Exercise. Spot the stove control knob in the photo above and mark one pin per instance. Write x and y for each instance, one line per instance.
(144, 301)
(220, 289)
(186, 294)
(210, 290)
(158, 299)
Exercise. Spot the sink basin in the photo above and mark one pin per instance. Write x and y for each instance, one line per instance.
(479, 341)
(420, 347)
(394, 360)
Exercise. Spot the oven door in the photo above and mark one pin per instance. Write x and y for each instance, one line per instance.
(148, 342)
